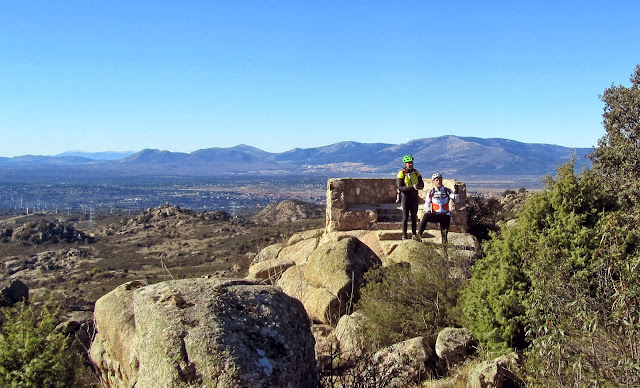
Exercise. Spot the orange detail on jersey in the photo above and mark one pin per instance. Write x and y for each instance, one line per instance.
(435, 207)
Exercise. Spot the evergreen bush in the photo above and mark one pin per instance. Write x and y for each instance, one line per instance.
(32, 352)
(562, 285)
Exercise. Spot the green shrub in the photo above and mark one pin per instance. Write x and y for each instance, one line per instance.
(494, 300)
(402, 301)
(562, 285)
(32, 352)
(553, 237)
(585, 320)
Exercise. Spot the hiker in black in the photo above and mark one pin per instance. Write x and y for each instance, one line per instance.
(409, 181)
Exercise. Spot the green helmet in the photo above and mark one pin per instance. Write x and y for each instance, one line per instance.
(407, 159)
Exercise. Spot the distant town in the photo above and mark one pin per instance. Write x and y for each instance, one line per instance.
(135, 194)
(237, 195)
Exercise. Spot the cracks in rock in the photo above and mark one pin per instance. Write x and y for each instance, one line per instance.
(189, 372)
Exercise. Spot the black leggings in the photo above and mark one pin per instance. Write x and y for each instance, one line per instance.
(443, 219)
(409, 206)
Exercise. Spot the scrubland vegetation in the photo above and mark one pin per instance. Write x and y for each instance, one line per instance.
(559, 285)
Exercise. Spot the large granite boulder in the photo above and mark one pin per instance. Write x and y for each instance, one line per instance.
(270, 269)
(330, 280)
(268, 253)
(339, 266)
(112, 349)
(202, 333)
(298, 250)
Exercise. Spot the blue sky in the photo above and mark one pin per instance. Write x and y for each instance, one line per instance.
(277, 75)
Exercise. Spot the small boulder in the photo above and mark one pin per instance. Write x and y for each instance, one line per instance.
(453, 345)
(349, 333)
(497, 373)
(403, 364)
(13, 292)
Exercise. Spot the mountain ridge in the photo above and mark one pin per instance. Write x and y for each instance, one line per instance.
(462, 156)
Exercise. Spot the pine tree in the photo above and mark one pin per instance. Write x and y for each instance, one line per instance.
(617, 157)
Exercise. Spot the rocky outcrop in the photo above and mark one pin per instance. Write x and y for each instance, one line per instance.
(162, 218)
(202, 332)
(48, 262)
(344, 355)
(40, 232)
(331, 278)
(288, 211)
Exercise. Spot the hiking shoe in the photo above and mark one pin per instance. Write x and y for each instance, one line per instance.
(416, 237)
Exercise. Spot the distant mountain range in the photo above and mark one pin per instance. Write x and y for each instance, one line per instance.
(452, 155)
(107, 155)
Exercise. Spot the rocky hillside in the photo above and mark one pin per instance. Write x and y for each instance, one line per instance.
(168, 242)
(288, 211)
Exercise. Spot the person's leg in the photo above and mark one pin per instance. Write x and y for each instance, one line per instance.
(414, 216)
(445, 222)
(427, 217)
(405, 216)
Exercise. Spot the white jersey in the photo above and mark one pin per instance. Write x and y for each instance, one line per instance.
(438, 200)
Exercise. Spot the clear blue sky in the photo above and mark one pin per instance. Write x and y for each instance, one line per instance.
(185, 75)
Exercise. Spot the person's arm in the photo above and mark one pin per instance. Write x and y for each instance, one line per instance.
(454, 194)
(420, 182)
(400, 183)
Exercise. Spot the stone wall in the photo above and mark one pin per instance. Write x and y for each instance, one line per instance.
(356, 203)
